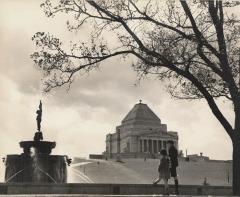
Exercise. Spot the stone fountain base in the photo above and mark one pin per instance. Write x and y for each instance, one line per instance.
(36, 165)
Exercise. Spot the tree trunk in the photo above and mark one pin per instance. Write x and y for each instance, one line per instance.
(236, 165)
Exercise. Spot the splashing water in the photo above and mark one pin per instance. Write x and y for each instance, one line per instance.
(37, 169)
(47, 174)
(11, 177)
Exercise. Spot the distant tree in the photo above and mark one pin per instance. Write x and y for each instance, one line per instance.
(193, 46)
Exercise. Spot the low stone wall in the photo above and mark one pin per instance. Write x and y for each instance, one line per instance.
(132, 155)
(122, 189)
(95, 156)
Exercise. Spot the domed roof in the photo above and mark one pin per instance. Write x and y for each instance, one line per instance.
(141, 113)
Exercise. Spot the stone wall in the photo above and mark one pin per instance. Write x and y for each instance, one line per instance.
(133, 155)
(123, 189)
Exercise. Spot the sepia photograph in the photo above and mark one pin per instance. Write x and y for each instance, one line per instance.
(119, 98)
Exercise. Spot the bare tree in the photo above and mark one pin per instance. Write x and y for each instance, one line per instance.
(194, 47)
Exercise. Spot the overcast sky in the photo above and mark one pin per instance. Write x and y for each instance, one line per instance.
(78, 120)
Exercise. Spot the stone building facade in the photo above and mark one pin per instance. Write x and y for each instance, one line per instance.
(141, 134)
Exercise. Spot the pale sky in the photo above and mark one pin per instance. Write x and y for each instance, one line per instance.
(78, 120)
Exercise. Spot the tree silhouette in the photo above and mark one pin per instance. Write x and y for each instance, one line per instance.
(193, 46)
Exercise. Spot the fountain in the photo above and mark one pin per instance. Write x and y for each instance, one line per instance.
(36, 164)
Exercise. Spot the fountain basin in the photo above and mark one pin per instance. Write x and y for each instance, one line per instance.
(36, 165)
(41, 168)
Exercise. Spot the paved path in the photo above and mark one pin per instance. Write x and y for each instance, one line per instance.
(76, 176)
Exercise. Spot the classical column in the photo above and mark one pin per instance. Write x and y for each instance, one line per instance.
(164, 144)
(140, 146)
(110, 145)
(118, 145)
(145, 145)
(148, 146)
(157, 146)
(118, 141)
(152, 146)
(154, 143)
(144, 148)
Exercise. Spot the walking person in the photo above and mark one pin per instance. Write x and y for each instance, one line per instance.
(164, 171)
(173, 155)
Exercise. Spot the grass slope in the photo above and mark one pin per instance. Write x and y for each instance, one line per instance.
(138, 171)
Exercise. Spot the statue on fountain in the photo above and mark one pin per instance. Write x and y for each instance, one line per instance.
(39, 116)
(38, 135)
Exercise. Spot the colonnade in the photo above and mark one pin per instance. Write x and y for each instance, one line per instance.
(151, 145)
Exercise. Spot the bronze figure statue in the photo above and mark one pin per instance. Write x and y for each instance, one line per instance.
(38, 135)
(39, 117)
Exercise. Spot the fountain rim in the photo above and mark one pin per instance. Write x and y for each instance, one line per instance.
(37, 144)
